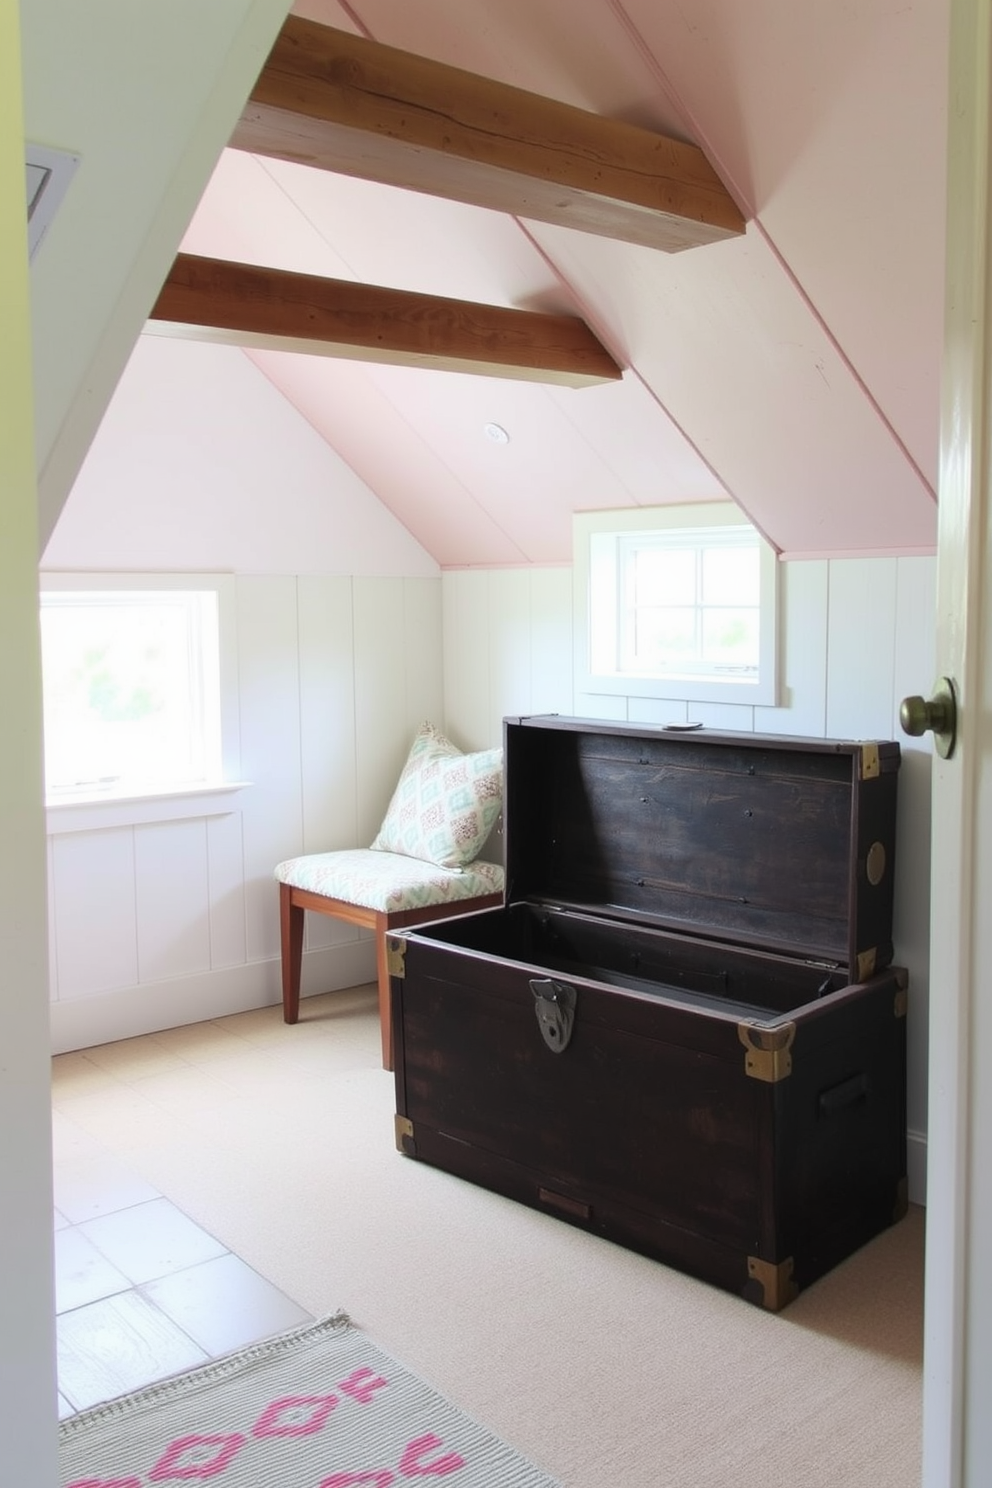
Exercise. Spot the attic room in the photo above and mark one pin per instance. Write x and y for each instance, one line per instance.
(384, 558)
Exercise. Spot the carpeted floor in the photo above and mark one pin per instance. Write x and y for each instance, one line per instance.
(595, 1363)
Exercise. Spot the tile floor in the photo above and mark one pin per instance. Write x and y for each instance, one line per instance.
(141, 1291)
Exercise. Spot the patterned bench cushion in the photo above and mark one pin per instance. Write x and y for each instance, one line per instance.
(387, 881)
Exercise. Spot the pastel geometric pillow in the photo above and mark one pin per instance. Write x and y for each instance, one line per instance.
(445, 802)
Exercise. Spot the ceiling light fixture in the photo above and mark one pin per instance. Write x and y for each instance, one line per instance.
(496, 433)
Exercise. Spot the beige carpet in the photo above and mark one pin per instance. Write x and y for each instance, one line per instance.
(598, 1365)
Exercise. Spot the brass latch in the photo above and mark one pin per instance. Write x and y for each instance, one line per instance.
(767, 1054)
(403, 1128)
(396, 956)
(777, 1286)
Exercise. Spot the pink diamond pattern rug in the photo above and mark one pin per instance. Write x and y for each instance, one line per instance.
(319, 1407)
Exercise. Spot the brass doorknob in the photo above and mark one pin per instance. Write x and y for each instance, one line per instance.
(937, 715)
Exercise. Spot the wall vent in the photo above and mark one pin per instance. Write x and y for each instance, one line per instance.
(48, 173)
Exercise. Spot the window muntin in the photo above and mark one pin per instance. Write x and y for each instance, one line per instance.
(690, 605)
(675, 602)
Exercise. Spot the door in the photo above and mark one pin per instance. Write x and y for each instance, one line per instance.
(957, 1427)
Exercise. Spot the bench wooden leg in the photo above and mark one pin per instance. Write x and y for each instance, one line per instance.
(385, 1004)
(291, 937)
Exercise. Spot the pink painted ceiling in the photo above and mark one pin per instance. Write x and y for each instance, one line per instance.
(795, 369)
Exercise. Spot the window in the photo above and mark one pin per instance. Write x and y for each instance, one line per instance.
(675, 602)
(132, 685)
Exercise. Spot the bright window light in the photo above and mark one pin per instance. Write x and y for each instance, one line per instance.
(676, 602)
(690, 604)
(131, 690)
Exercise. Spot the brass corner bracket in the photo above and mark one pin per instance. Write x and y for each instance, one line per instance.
(396, 955)
(403, 1129)
(871, 765)
(776, 1281)
(767, 1051)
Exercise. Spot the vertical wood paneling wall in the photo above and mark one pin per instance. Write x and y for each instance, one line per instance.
(166, 922)
(856, 636)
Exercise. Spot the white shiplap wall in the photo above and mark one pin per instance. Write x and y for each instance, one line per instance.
(164, 923)
(856, 635)
(157, 923)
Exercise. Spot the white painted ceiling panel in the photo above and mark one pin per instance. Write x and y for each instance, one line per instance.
(405, 239)
(573, 50)
(393, 458)
(829, 122)
(796, 369)
(749, 374)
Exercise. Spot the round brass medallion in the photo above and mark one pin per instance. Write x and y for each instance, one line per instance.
(876, 863)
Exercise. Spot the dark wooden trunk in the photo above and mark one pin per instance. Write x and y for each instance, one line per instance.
(727, 1098)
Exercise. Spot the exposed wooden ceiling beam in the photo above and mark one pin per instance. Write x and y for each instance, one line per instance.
(329, 99)
(211, 299)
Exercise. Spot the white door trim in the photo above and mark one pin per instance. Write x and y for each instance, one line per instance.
(957, 1424)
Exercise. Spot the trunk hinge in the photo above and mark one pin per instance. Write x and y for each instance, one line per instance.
(866, 963)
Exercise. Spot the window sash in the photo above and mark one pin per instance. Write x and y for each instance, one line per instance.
(699, 603)
(139, 708)
(730, 657)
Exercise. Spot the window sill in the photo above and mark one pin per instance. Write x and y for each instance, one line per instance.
(748, 691)
(91, 812)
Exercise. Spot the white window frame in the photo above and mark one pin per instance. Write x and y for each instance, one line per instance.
(78, 810)
(598, 542)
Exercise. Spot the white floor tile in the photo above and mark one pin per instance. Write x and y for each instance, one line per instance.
(71, 1141)
(82, 1273)
(75, 1074)
(151, 1240)
(89, 1186)
(224, 1304)
(117, 1345)
(133, 1057)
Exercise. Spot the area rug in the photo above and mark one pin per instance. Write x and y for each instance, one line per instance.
(318, 1407)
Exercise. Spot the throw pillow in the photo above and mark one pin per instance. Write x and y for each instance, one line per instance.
(445, 802)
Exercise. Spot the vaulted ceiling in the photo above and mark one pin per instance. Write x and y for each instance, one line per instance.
(794, 367)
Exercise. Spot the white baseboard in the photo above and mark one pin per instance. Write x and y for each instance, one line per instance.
(916, 1166)
(126, 1012)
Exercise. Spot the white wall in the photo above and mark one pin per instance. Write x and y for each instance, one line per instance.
(165, 915)
(27, 1304)
(169, 920)
(856, 637)
(147, 95)
(344, 644)
(199, 463)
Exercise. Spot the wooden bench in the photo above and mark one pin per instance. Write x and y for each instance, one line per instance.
(377, 891)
